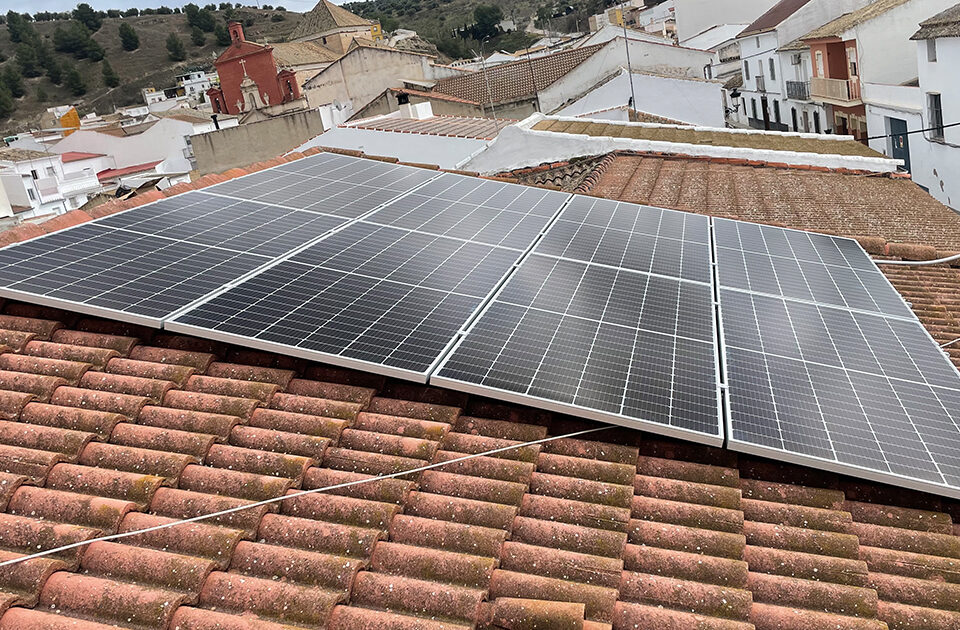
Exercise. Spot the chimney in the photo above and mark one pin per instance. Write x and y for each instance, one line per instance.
(236, 32)
(416, 111)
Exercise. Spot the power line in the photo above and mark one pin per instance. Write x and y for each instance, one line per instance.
(907, 133)
(348, 484)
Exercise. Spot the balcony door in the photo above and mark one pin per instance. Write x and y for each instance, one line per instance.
(899, 141)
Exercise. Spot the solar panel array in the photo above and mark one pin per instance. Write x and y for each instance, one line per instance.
(833, 369)
(147, 263)
(583, 326)
(389, 292)
(608, 310)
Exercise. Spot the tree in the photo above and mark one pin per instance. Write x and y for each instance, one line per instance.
(191, 10)
(110, 78)
(210, 7)
(27, 60)
(54, 72)
(113, 13)
(175, 48)
(277, 17)
(486, 18)
(164, 11)
(222, 35)
(12, 80)
(16, 25)
(85, 14)
(128, 37)
(74, 82)
(7, 104)
(206, 21)
(41, 94)
(197, 36)
(134, 12)
(93, 50)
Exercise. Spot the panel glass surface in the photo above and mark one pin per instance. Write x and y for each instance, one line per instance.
(630, 236)
(803, 266)
(838, 372)
(329, 183)
(371, 293)
(616, 344)
(145, 275)
(469, 208)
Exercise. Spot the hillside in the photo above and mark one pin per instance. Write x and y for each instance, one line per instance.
(146, 66)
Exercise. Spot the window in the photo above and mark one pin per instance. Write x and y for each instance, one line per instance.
(820, 63)
(936, 116)
(746, 70)
(816, 122)
(753, 106)
(31, 194)
(776, 111)
(773, 71)
(34, 175)
(759, 67)
(931, 50)
(50, 171)
(852, 61)
(758, 41)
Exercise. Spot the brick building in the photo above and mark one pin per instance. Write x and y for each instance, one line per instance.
(272, 68)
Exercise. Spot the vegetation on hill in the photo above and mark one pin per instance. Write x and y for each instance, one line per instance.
(58, 58)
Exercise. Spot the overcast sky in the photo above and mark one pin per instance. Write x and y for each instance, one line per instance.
(66, 5)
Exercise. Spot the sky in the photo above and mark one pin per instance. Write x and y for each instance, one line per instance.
(66, 5)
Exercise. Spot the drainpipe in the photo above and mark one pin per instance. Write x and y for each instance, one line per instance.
(216, 124)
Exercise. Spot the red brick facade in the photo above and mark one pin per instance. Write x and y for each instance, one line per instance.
(253, 60)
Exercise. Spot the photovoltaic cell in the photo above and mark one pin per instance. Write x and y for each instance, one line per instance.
(138, 274)
(329, 183)
(827, 366)
(612, 344)
(629, 236)
(377, 294)
(473, 209)
(151, 261)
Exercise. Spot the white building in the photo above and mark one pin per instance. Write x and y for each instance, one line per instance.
(777, 69)
(903, 112)
(682, 99)
(35, 184)
(196, 83)
(695, 16)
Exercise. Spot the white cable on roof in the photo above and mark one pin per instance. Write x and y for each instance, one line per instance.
(301, 493)
(918, 263)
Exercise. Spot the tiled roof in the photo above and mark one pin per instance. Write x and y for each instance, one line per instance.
(76, 156)
(891, 208)
(839, 26)
(456, 126)
(111, 428)
(11, 154)
(943, 24)
(772, 18)
(110, 173)
(326, 16)
(291, 54)
(773, 142)
(516, 79)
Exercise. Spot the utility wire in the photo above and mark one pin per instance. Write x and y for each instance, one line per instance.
(950, 343)
(239, 508)
(907, 133)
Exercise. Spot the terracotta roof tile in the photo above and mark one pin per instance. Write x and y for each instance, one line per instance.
(666, 534)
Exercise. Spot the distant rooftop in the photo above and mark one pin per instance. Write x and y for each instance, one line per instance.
(11, 154)
(839, 26)
(713, 137)
(111, 173)
(943, 24)
(76, 156)
(455, 126)
(772, 18)
(326, 16)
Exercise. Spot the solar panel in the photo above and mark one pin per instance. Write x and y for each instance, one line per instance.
(388, 293)
(141, 278)
(329, 183)
(474, 209)
(145, 264)
(629, 236)
(611, 344)
(803, 266)
(854, 385)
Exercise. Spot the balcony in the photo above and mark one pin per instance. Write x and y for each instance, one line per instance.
(80, 183)
(798, 90)
(836, 91)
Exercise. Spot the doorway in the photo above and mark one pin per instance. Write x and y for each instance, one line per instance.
(899, 141)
